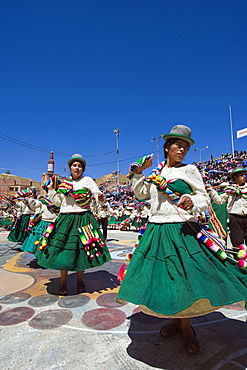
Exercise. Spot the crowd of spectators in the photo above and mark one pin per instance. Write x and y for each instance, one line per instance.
(124, 194)
(216, 170)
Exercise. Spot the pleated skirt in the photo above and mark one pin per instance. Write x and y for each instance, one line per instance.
(172, 274)
(18, 233)
(65, 250)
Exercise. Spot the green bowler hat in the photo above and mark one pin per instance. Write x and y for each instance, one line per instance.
(76, 157)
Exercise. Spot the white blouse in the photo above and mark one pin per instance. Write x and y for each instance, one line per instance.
(67, 204)
(162, 209)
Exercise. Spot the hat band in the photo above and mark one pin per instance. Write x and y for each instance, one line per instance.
(184, 137)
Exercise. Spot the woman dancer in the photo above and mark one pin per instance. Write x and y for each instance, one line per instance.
(19, 231)
(45, 215)
(76, 243)
(172, 274)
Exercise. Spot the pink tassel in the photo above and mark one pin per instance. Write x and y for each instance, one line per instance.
(121, 273)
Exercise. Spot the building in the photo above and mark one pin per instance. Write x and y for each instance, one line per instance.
(11, 184)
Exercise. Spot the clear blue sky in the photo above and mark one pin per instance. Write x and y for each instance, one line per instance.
(73, 71)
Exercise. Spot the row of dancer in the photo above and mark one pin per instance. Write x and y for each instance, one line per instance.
(123, 217)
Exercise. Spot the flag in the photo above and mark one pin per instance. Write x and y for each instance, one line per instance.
(241, 133)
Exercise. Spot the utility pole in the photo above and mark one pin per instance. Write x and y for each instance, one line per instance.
(230, 113)
(157, 146)
(206, 147)
(117, 132)
(195, 150)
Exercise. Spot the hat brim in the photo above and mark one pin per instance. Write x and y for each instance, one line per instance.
(179, 136)
(236, 172)
(71, 160)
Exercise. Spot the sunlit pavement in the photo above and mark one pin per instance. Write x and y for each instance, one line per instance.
(40, 330)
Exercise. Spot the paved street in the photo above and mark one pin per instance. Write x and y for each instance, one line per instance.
(40, 330)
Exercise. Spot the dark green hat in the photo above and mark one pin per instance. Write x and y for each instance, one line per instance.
(180, 132)
(76, 157)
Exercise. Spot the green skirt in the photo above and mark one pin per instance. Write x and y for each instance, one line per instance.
(172, 274)
(122, 218)
(7, 221)
(113, 221)
(18, 233)
(65, 251)
(137, 222)
(222, 215)
(34, 234)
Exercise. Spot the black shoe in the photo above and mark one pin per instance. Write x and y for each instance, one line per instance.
(62, 290)
(81, 287)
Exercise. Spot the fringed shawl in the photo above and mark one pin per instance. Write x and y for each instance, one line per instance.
(82, 196)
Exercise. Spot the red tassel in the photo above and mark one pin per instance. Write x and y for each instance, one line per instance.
(121, 273)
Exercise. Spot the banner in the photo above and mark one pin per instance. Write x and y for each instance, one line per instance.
(241, 133)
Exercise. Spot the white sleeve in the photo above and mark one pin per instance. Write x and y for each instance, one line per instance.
(140, 187)
(34, 203)
(55, 197)
(93, 187)
(218, 198)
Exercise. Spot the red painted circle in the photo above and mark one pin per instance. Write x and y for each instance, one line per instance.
(103, 318)
(136, 310)
(108, 300)
(15, 315)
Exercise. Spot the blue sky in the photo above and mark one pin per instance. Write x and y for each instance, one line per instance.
(73, 71)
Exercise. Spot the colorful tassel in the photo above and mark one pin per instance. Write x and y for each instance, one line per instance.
(42, 243)
(90, 238)
(121, 273)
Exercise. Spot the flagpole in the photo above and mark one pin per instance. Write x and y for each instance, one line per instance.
(230, 112)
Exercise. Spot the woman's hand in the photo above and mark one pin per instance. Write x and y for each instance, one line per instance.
(208, 187)
(185, 203)
(50, 186)
(143, 167)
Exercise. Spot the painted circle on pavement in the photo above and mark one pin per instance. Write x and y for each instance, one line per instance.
(15, 315)
(108, 300)
(103, 318)
(15, 298)
(43, 300)
(50, 319)
(73, 301)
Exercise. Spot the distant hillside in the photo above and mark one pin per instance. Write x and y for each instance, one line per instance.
(109, 177)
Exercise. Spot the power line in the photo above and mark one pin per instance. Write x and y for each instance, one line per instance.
(38, 148)
(121, 160)
(88, 165)
(34, 147)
